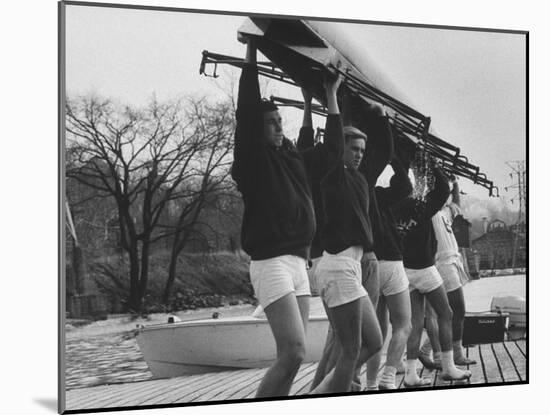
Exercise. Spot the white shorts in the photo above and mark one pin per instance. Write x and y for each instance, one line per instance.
(274, 278)
(338, 277)
(453, 275)
(393, 279)
(424, 280)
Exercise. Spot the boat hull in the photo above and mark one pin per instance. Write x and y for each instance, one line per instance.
(515, 306)
(212, 345)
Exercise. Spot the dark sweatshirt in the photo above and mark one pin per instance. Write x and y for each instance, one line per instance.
(345, 196)
(379, 152)
(414, 223)
(317, 161)
(278, 216)
(388, 244)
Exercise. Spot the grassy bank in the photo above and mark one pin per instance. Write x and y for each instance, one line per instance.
(202, 280)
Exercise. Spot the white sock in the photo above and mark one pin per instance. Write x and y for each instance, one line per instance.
(447, 361)
(410, 372)
(372, 384)
(388, 376)
(449, 368)
(437, 357)
(457, 349)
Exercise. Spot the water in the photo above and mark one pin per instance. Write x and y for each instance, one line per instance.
(107, 352)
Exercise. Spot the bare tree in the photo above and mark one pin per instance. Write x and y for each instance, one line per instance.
(146, 160)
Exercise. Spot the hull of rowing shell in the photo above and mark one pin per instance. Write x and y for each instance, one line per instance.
(301, 47)
(212, 345)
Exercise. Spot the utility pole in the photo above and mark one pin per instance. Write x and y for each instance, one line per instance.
(518, 174)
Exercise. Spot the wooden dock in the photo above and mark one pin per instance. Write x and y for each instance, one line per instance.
(496, 363)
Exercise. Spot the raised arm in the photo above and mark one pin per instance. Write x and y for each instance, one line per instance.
(455, 192)
(400, 183)
(437, 198)
(380, 144)
(248, 131)
(305, 139)
(334, 132)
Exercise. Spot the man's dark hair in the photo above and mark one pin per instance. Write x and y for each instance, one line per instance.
(353, 133)
(267, 106)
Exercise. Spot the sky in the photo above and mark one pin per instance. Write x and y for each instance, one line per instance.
(472, 84)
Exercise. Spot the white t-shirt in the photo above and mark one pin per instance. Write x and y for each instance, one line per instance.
(447, 247)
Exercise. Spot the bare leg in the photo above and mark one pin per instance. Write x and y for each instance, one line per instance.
(456, 301)
(432, 342)
(417, 320)
(286, 321)
(371, 279)
(371, 335)
(399, 306)
(330, 354)
(303, 306)
(371, 283)
(413, 342)
(346, 322)
(438, 300)
(373, 364)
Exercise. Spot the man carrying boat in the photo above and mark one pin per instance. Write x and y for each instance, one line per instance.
(394, 285)
(278, 224)
(346, 234)
(391, 283)
(372, 164)
(450, 265)
(419, 247)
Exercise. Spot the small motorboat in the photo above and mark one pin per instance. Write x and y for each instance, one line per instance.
(218, 343)
(514, 305)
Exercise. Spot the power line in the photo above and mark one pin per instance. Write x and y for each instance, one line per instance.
(520, 184)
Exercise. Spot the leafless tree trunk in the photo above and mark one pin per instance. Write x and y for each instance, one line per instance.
(146, 160)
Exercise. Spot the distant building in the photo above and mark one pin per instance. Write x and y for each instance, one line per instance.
(499, 244)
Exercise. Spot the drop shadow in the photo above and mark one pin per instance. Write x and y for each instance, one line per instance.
(47, 403)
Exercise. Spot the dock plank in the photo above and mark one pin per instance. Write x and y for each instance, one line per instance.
(187, 392)
(492, 369)
(518, 358)
(250, 389)
(193, 394)
(438, 381)
(497, 363)
(166, 388)
(478, 374)
(215, 390)
(233, 391)
(96, 398)
(303, 379)
(507, 367)
(522, 345)
(157, 394)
